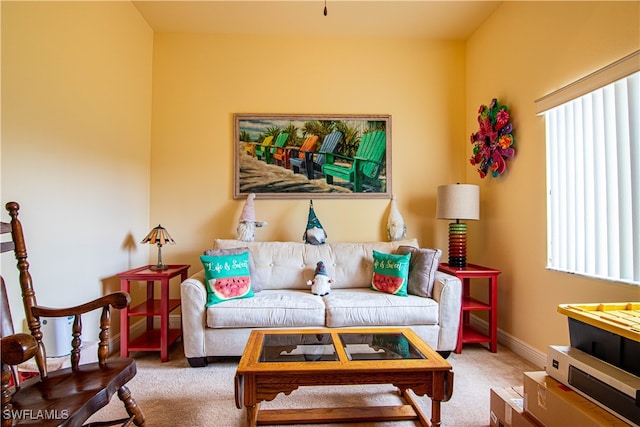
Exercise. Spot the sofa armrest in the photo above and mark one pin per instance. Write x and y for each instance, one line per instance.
(193, 296)
(447, 291)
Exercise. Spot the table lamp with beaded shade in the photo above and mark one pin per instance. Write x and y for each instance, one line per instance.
(458, 202)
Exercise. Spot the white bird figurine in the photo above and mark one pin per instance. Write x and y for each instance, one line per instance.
(396, 228)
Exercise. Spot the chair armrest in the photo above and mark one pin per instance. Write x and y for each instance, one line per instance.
(329, 157)
(447, 291)
(293, 151)
(117, 300)
(300, 150)
(362, 159)
(18, 348)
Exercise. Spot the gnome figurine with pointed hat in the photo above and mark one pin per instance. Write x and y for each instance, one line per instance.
(246, 230)
(314, 234)
(321, 283)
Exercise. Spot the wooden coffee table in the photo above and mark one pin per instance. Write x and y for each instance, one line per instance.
(280, 361)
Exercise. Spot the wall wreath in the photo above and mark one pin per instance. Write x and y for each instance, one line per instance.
(493, 143)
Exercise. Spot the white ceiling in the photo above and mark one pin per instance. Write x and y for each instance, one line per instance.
(451, 20)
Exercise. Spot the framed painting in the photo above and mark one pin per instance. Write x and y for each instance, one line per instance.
(316, 156)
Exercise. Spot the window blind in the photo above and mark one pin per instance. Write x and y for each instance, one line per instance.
(593, 181)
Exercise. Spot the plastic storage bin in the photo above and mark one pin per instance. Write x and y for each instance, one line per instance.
(56, 332)
(610, 332)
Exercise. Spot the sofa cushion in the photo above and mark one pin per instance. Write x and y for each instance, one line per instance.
(269, 309)
(364, 307)
(226, 277)
(390, 273)
(256, 285)
(422, 269)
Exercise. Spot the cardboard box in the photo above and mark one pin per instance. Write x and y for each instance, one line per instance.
(555, 405)
(507, 408)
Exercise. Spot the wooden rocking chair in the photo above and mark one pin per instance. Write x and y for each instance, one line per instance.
(65, 397)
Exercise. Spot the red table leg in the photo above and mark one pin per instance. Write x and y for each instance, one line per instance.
(124, 323)
(493, 317)
(164, 322)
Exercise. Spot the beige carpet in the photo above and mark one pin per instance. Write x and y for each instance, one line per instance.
(174, 394)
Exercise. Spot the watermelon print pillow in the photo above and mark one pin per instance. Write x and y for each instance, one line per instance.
(227, 277)
(390, 273)
(256, 284)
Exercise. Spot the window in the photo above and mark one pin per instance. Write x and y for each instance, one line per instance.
(593, 174)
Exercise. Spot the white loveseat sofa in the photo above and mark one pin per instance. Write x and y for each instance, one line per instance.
(285, 301)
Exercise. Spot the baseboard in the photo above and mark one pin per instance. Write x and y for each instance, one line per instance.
(514, 344)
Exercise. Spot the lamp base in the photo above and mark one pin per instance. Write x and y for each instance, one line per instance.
(457, 262)
(457, 245)
(160, 265)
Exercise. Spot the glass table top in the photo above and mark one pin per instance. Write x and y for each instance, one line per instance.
(320, 347)
(379, 346)
(297, 348)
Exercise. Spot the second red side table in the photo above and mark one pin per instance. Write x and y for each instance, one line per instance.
(466, 332)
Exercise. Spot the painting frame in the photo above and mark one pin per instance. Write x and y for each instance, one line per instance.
(282, 156)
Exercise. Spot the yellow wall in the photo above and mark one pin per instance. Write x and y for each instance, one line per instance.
(524, 51)
(97, 150)
(76, 118)
(201, 80)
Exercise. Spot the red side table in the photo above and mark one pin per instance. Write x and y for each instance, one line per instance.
(466, 332)
(152, 339)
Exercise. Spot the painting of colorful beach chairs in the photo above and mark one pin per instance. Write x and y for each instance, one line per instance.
(319, 156)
